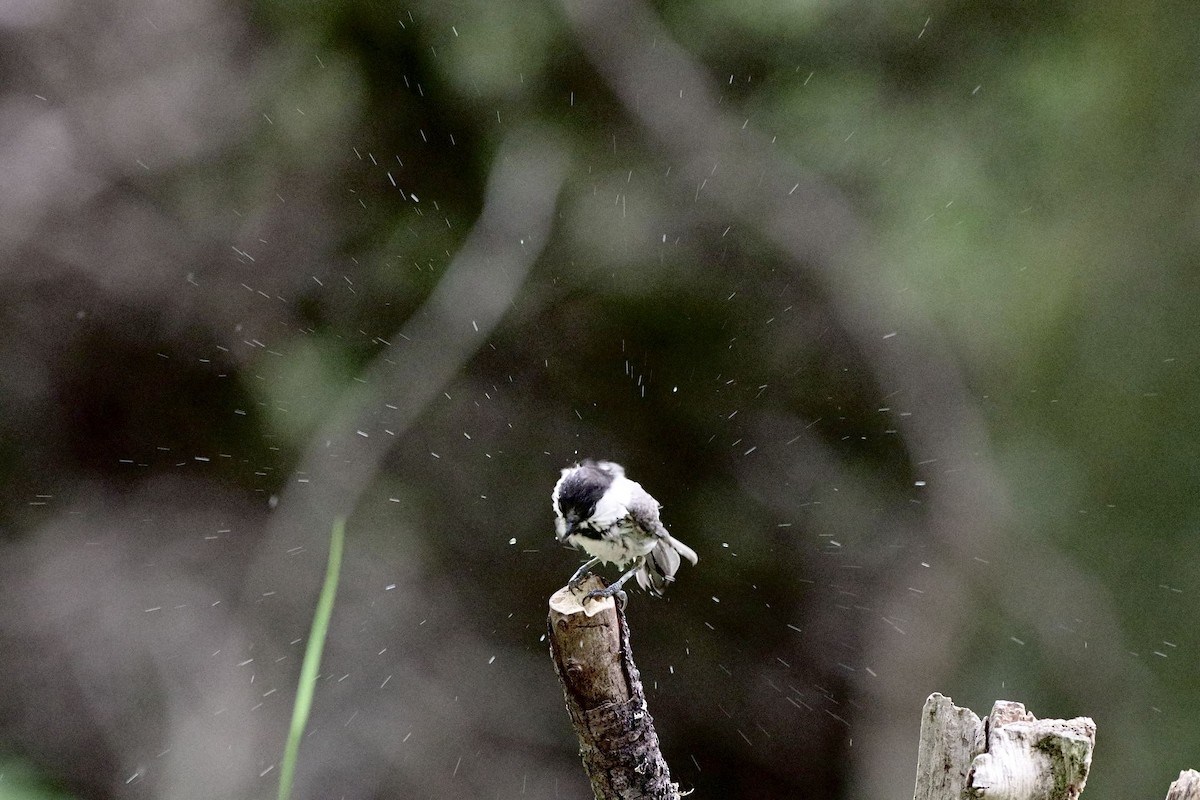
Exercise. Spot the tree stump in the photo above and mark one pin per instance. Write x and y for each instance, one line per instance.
(1011, 756)
(1186, 787)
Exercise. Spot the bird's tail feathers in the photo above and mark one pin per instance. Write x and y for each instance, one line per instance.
(662, 563)
(683, 549)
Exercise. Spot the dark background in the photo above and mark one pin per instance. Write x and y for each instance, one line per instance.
(891, 305)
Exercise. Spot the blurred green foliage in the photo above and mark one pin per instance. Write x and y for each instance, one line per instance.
(20, 781)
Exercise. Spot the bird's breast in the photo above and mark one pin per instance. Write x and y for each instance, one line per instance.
(617, 545)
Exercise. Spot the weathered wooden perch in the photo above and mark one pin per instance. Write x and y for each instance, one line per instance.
(1011, 755)
(1186, 787)
(590, 649)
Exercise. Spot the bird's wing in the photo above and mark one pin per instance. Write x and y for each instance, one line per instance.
(643, 510)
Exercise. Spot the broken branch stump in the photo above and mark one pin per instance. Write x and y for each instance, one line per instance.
(617, 743)
(1011, 756)
(1186, 786)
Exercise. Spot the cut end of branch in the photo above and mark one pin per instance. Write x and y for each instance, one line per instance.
(567, 602)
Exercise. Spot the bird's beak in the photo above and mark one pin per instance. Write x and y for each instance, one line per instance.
(565, 527)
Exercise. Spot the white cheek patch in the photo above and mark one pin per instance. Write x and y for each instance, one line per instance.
(614, 505)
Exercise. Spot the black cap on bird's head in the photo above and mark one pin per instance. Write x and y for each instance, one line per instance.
(578, 491)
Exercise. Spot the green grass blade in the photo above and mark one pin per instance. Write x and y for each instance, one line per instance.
(312, 659)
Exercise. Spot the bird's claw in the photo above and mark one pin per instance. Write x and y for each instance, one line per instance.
(596, 594)
(613, 591)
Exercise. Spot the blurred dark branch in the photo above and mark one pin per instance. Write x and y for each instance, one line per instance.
(731, 166)
(345, 453)
(664, 89)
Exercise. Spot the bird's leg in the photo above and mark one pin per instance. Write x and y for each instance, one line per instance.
(577, 578)
(615, 588)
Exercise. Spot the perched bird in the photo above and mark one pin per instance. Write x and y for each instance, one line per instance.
(615, 521)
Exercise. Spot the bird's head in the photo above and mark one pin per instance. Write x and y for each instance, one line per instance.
(577, 492)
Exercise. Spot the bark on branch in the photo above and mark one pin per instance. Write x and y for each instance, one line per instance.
(590, 649)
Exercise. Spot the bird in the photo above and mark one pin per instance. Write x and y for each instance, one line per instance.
(615, 521)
